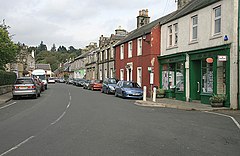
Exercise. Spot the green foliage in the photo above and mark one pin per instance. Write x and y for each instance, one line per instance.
(8, 50)
(7, 78)
(217, 98)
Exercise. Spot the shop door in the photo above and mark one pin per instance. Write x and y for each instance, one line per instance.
(196, 80)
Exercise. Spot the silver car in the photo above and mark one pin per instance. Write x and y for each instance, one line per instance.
(26, 86)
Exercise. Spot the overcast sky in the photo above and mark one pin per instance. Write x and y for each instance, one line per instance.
(74, 22)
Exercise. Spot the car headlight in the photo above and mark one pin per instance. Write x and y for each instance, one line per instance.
(111, 87)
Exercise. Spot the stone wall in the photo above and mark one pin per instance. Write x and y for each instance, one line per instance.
(5, 89)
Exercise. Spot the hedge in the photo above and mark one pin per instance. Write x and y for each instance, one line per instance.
(7, 78)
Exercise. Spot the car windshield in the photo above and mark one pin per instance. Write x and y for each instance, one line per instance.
(112, 81)
(42, 77)
(24, 81)
(130, 85)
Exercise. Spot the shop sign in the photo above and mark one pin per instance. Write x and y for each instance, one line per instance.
(209, 60)
(151, 78)
(222, 58)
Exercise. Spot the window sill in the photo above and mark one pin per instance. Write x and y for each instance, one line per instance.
(173, 47)
(216, 36)
(193, 42)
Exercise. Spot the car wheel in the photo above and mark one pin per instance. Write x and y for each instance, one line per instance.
(15, 97)
(35, 96)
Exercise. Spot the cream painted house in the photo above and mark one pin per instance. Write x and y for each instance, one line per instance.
(199, 52)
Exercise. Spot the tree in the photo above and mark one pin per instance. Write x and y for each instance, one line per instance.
(41, 47)
(62, 49)
(53, 49)
(8, 50)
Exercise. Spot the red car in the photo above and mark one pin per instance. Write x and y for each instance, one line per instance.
(95, 85)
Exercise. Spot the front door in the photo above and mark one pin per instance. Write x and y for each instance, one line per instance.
(195, 78)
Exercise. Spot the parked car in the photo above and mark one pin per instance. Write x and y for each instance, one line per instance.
(80, 82)
(75, 81)
(51, 80)
(26, 86)
(61, 80)
(69, 81)
(128, 89)
(95, 85)
(109, 85)
(86, 84)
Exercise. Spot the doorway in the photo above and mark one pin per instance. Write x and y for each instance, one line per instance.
(195, 78)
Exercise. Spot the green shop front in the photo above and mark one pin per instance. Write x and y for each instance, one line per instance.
(172, 75)
(209, 74)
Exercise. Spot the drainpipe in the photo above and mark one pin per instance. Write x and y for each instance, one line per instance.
(238, 37)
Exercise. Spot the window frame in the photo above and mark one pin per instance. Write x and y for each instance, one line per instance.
(192, 28)
(130, 49)
(216, 19)
(121, 51)
(139, 46)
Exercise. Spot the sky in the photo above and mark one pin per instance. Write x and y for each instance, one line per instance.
(74, 22)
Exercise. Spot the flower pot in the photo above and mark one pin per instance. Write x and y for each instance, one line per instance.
(216, 104)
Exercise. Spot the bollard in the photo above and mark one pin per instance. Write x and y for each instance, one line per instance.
(144, 93)
(154, 94)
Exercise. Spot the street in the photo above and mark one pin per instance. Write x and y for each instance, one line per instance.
(68, 120)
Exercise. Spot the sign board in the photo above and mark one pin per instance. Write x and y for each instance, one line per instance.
(222, 58)
(151, 78)
(150, 69)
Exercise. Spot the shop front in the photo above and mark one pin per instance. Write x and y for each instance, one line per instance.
(196, 75)
(172, 75)
(209, 74)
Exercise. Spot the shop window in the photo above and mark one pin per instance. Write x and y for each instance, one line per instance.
(168, 76)
(207, 77)
(180, 77)
(221, 77)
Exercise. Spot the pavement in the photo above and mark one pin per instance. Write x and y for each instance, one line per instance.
(5, 98)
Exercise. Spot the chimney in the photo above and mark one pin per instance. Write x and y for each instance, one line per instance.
(142, 18)
(182, 3)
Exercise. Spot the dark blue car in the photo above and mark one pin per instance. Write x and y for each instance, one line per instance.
(109, 85)
(128, 89)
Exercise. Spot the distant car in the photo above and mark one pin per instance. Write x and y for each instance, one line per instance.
(109, 85)
(26, 86)
(69, 81)
(86, 84)
(80, 82)
(61, 80)
(128, 89)
(51, 80)
(95, 85)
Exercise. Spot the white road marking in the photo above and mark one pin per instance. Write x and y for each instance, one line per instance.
(17, 146)
(234, 120)
(68, 104)
(8, 105)
(53, 123)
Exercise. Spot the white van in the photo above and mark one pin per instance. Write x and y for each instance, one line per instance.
(40, 73)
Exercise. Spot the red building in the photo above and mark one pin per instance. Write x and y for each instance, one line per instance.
(136, 55)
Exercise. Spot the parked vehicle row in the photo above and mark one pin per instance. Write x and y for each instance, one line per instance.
(124, 89)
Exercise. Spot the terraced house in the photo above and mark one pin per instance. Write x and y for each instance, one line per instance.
(199, 52)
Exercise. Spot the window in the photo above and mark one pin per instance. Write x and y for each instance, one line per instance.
(139, 76)
(180, 76)
(217, 20)
(100, 56)
(122, 52)
(194, 28)
(176, 34)
(130, 49)
(111, 73)
(112, 53)
(207, 77)
(106, 54)
(121, 74)
(221, 77)
(172, 35)
(139, 47)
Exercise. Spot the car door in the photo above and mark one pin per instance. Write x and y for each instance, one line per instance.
(117, 89)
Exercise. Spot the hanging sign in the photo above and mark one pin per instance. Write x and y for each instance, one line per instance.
(209, 60)
(151, 78)
(222, 58)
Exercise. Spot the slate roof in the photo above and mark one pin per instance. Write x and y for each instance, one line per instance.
(43, 66)
(192, 6)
